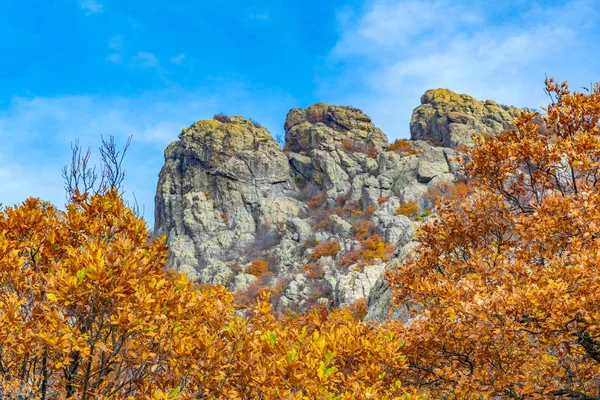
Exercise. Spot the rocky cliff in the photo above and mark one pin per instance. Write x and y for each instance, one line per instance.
(318, 220)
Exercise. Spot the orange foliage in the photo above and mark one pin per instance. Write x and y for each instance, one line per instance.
(403, 147)
(408, 209)
(325, 249)
(372, 151)
(359, 309)
(88, 311)
(372, 248)
(382, 199)
(369, 211)
(317, 200)
(507, 278)
(347, 145)
(375, 248)
(449, 191)
(258, 268)
(313, 271)
(361, 229)
(316, 114)
(352, 257)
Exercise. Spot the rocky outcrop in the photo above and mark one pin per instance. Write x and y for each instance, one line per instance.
(323, 212)
(221, 182)
(450, 119)
(325, 127)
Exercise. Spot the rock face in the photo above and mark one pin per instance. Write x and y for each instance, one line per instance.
(320, 219)
(450, 119)
(217, 179)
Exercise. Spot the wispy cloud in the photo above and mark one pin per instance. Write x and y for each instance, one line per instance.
(91, 7)
(396, 50)
(36, 134)
(147, 59)
(115, 44)
(178, 59)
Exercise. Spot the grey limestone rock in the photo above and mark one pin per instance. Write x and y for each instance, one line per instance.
(450, 119)
(228, 194)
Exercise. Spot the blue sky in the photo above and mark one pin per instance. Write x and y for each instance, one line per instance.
(81, 68)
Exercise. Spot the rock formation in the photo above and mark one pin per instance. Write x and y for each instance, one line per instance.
(450, 119)
(320, 219)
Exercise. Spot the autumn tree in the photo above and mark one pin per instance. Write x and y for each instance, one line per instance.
(87, 310)
(505, 284)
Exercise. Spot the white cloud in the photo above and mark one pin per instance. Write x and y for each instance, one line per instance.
(116, 43)
(397, 50)
(91, 7)
(178, 59)
(147, 59)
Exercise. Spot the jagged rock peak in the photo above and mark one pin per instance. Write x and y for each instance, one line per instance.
(213, 179)
(449, 119)
(322, 126)
(216, 140)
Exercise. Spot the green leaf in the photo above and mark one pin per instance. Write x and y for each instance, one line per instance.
(272, 338)
(329, 371)
(81, 274)
(174, 393)
(291, 355)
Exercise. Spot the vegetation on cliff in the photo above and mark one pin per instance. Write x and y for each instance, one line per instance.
(503, 285)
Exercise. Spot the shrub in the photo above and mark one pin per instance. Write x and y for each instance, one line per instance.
(352, 257)
(372, 248)
(342, 199)
(424, 214)
(371, 150)
(221, 117)
(310, 242)
(403, 147)
(316, 114)
(369, 211)
(313, 271)
(347, 145)
(361, 229)
(258, 268)
(448, 191)
(317, 200)
(408, 209)
(382, 199)
(376, 248)
(359, 309)
(325, 249)
(321, 224)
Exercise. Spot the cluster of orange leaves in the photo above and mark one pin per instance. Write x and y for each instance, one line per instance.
(371, 249)
(329, 248)
(408, 209)
(258, 268)
(88, 311)
(455, 192)
(505, 283)
(403, 147)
